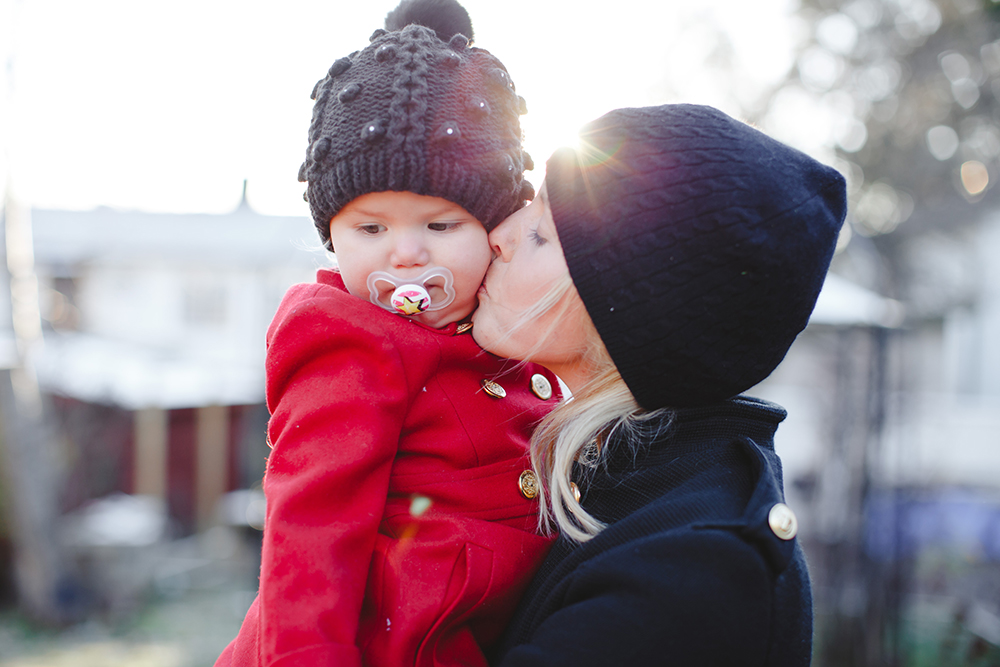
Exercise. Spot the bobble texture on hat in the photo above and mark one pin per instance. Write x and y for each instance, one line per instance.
(698, 245)
(417, 110)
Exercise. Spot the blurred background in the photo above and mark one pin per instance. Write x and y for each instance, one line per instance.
(152, 221)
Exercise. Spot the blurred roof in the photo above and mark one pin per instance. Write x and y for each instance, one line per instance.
(843, 303)
(110, 236)
(101, 370)
(132, 375)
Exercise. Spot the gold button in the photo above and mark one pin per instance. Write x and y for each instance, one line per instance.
(541, 387)
(493, 389)
(528, 484)
(782, 521)
(576, 490)
(463, 327)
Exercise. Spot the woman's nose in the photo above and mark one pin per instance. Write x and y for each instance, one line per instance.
(502, 239)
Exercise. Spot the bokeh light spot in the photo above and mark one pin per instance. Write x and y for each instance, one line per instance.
(881, 208)
(942, 142)
(838, 33)
(975, 177)
(853, 136)
(955, 66)
(419, 504)
(965, 92)
(819, 69)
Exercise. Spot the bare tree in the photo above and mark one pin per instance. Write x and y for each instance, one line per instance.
(28, 458)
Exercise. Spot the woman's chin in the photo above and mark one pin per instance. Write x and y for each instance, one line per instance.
(481, 331)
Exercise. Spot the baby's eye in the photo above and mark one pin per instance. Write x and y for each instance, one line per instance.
(442, 226)
(536, 237)
(371, 229)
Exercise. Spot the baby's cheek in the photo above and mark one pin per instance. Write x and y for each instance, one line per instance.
(356, 288)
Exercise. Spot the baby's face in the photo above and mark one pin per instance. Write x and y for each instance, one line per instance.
(405, 235)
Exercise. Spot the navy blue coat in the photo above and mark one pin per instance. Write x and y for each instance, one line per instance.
(689, 570)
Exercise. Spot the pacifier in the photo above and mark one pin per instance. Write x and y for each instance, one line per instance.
(411, 295)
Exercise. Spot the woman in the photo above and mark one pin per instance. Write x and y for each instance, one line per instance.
(665, 267)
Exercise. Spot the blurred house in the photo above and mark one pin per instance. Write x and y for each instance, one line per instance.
(154, 343)
(154, 347)
(891, 449)
(918, 384)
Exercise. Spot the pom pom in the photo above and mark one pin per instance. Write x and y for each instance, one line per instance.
(373, 130)
(445, 17)
(505, 170)
(522, 105)
(479, 106)
(500, 78)
(349, 92)
(385, 53)
(320, 148)
(303, 174)
(378, 33)
(529, 164)
(315, 91)
(448, 132)
(339, 67)
(527, 192)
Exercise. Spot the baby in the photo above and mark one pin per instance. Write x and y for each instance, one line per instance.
(401, 512)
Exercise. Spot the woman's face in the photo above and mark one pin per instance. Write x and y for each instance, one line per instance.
(528, 263)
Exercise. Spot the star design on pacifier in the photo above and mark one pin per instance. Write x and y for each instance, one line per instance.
(409, 306)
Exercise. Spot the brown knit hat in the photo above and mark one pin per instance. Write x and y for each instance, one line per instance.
(422, 111)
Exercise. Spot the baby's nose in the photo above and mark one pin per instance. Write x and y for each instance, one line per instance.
(410, 250)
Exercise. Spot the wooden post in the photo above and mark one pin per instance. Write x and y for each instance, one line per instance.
(150, 474)
(210, 467)
(45, 579)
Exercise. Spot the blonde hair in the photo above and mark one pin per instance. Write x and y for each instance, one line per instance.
(573, 434)
(575, 437)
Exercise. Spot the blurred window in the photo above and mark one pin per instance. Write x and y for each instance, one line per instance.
(205, 305)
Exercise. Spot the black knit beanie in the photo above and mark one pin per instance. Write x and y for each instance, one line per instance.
(697, 243)
(418, 110)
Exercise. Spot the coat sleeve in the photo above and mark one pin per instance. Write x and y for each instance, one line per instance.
(337, 393)
(695, 599)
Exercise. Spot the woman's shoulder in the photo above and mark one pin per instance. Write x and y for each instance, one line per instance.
(701, 596)
(700, 480)
(694, 547)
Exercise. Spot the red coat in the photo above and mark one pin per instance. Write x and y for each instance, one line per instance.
(369, 411)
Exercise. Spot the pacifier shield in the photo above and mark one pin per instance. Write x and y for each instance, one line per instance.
(410, 299)
(411, 295)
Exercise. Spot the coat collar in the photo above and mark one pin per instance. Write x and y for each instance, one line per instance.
(668, 434)
(669, 472)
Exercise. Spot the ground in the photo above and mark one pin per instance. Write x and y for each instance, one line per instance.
(182, 604)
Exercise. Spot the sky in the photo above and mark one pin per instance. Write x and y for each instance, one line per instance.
(168, 107)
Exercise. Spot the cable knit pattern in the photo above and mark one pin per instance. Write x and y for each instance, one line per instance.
(412, 112)
(698, 244)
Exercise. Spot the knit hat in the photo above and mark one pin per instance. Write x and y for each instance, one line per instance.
(698, 245)
(422, 111)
